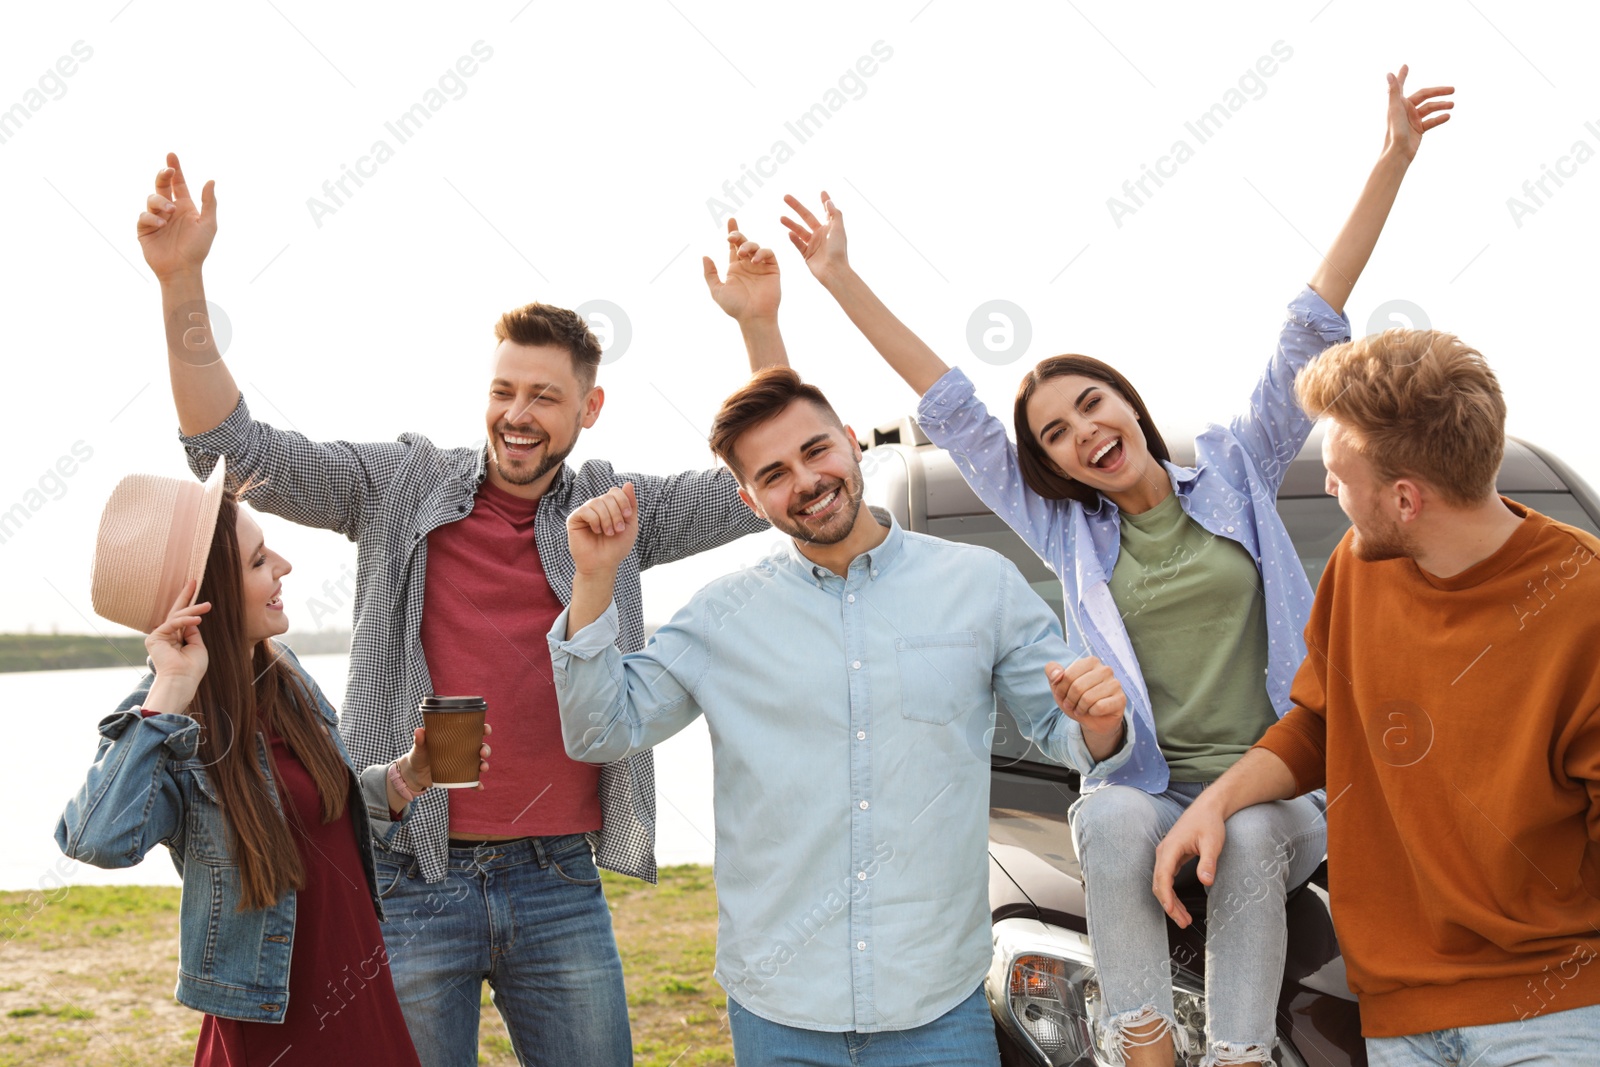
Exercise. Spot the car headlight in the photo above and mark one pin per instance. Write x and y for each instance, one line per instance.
(1045, 991)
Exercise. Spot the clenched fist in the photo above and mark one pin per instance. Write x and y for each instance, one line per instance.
(1089, 693)
(602, 531)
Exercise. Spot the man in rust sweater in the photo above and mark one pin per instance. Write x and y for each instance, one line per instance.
(1450, 704)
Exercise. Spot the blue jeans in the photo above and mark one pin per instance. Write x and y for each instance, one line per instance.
(1555, 1039)
(530, 917)
(1270, 848)
(961, 1037)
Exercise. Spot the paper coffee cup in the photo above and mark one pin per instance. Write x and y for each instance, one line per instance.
(455, 734)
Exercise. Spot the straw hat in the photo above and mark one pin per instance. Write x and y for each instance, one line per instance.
(155, 534)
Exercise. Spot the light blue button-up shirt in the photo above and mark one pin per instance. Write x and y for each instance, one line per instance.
(850, 720)
(1231, 491)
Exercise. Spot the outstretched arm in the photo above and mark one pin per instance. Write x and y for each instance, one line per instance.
(323, 484)
(823, 246)
(1408, 121)
(750, 297)
(176, 237)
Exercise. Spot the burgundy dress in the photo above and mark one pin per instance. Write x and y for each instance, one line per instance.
(342, 1008)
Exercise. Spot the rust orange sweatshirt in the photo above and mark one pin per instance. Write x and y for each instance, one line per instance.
(1456, 725)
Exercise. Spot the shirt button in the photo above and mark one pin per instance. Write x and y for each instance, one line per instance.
(851, 599)
(862, 875)
(861, 735)
(864, 806)
(1229, 529)
(855, 665)
(862, 945)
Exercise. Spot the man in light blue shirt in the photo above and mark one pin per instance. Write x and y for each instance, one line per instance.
(844, 680)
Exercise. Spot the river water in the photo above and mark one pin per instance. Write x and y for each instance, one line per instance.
(47, 719)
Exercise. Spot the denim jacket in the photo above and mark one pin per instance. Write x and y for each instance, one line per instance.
(147, 785)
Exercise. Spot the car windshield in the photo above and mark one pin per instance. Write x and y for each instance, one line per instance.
(1315, 524)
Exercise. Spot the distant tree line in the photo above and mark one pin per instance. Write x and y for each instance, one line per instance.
(62, 652)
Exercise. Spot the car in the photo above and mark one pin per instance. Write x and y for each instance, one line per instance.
(1042, 987)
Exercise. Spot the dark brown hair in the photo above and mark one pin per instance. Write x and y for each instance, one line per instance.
(1419, 403)
(1039, 471)
(764, 396)
(544, 324)
(243, 690)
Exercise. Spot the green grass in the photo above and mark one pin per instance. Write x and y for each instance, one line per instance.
(49, 919)
(55, 652)
(89, 974)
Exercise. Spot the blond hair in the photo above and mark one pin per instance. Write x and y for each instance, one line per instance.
(1419, 403)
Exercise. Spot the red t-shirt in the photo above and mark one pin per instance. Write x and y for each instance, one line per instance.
(342, 1006)
(486, 609)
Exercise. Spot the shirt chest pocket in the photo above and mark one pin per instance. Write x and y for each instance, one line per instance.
(941, 676)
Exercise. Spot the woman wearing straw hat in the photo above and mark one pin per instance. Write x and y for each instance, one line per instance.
(228, 753)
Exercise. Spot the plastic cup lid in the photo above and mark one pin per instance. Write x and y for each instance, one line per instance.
(437, 703)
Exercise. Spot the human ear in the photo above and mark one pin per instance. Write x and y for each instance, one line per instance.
(592, 405)
(1408, 500)
(750, 502)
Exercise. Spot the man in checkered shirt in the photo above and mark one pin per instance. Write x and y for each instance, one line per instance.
(463, 567)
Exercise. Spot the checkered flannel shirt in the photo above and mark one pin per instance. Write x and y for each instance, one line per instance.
(387, 497)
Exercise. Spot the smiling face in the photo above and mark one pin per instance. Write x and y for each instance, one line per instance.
(801, 471)
(1092, 435)
(1366, 500)
(260, 583)
(537, 407)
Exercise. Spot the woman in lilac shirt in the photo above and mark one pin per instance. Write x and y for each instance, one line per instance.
(1191, 565)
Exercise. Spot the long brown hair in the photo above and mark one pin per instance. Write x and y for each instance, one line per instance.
(1039, 471)
(244, 689)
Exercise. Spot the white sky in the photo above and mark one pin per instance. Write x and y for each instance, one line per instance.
(577, 165)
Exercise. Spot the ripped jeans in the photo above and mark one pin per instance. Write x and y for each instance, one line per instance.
(1269, 849)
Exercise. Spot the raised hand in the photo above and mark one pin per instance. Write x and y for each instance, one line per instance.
(822, 244)
(175, 235)
(602, 531)
(1409, 115)
(751, 291)
(178, 654)
(1087, 691)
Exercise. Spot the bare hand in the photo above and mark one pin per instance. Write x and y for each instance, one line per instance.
(601, 533)
(1408, 115)
(178, 654)
(175, 235)
(751, 291)
(823, 244)
(1199, 831)
(416, 769)
(1088, 692)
